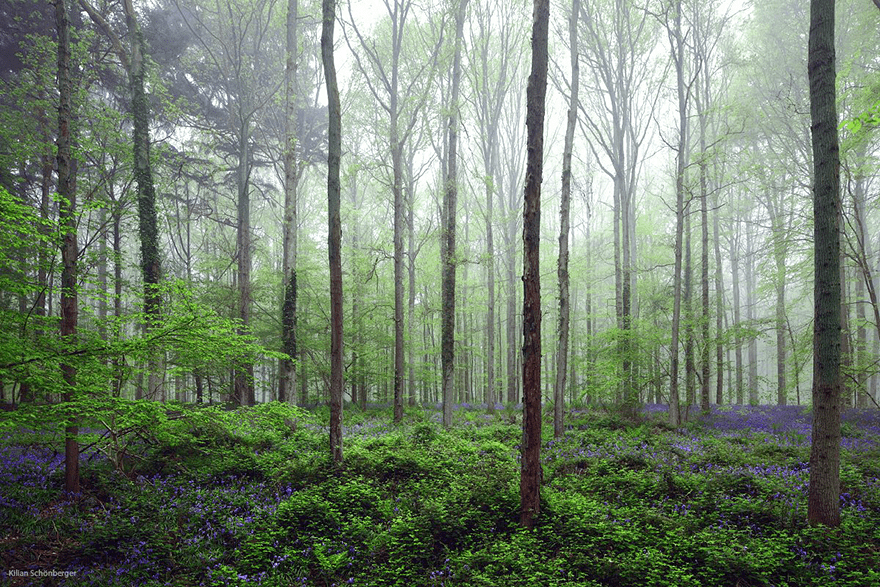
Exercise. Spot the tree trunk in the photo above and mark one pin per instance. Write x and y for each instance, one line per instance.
(397, 189)
(823, 501)
(863, 256)
(704, 272)
(146, 193)
(530, 475)
(781, 348)
(690, 364)
(737, 335)
(564, 213)
(118, 362)
(244, 369)
(286, 367)
(751, 295)
(411, 274)
(447, 248)
(719, 307)
(676, 44)
(334, 155)
(67, 225)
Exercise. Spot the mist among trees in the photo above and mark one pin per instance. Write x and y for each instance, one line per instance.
(523, 210)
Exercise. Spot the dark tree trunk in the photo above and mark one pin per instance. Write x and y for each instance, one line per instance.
(397, 188)
(530, 475)
(136, 68)
(334, 155)
(146, 193)
(67, 224)
(823, 501)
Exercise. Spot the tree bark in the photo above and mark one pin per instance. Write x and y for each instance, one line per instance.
(530, 474)
(564, 213)
(719, 307)
(334, 156)
(146, 193)
(135, 65)
(67, 225)
(690, 364)
(704, 269)
(823, 501)
(676, 46)
(737, 335)
(244, 369)
(751, 295)
(447, 248)
(286, 367)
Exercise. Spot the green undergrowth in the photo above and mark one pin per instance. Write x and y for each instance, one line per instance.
(252, 499)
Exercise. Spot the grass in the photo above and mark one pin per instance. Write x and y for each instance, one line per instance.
(250, 499)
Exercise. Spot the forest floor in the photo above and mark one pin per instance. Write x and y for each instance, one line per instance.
(249, 497)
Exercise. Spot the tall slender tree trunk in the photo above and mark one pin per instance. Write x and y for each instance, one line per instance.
(676, 42)
(244, 369)
(334, 156)
(846, 350)
(512, 373)
(704, 272)
(751, 294)
(447, 249)
(118, 363)
(67, 225)
(564, 213)
(531, 473)
(719, 307)
(146, 193)
(779, 254)
(411, 273)
(737, 334)
(491, 394)
(286, 367)
(397, 189)
(135, 65)
(690, 364)
(864, 254)
(823, 501)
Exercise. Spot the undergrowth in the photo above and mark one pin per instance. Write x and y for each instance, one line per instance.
(250, 497)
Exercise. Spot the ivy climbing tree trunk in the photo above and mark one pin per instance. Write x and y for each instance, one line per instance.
(135, 64)
(286, 367)
(146, 192)
(334, 156)
(447, 242)
(823, 501)
(536, 91)
(564, 213)
(67, 224)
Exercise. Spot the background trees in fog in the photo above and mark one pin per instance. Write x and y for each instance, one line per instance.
(705, 103)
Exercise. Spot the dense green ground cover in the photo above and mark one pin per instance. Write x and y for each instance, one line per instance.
(235, 498)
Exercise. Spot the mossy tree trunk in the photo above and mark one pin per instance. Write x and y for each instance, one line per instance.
(823, 501)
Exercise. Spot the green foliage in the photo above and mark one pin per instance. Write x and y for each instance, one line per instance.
(238, 497)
